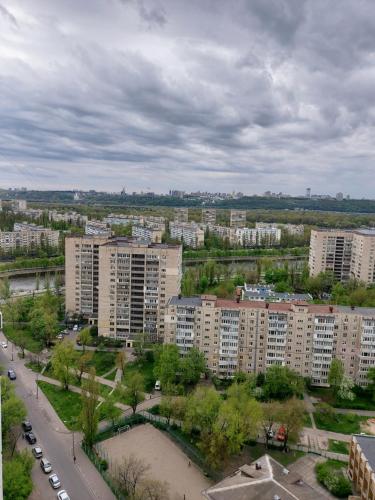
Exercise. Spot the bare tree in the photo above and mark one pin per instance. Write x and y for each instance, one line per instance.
(151, 489)
(129, 474)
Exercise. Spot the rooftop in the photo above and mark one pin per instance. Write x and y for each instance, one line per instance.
(367, 444)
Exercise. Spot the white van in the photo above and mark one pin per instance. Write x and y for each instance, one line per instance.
(157, 385)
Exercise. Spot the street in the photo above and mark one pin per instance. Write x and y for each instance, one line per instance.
(81, 480)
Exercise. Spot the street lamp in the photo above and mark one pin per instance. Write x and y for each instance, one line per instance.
(37, 386)
(12, 350)
(74, 423)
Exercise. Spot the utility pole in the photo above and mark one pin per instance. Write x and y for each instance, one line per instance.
(12, 350)
(37, 386)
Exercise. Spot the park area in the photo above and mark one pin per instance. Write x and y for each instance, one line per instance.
(166, 460)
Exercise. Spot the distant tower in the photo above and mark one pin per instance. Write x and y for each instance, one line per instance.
(308, 192)
(123, 191)
(76, 196)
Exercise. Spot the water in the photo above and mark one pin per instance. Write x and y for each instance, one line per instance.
(29, 283)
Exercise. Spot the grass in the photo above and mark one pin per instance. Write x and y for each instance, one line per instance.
(67, 404)
(112, 375)
(145, 368)
(13, 334)
(34, 366)
(338, 446)
(257, 450)
(103, 361)
(307, 420)
(362, 400)
(331, 474)
(347, 423)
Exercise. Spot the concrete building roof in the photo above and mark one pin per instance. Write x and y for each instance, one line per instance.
(186, 301)
(264, 479)
(367, 444)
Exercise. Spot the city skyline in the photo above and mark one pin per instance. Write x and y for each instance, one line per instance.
(155, 93)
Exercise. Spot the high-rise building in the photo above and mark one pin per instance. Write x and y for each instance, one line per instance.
(98, 228)
(121, 284)
(252, 336)
(346, 253)
(136, 281)
(149, 234)
(339, 196)
(237, 218)
(308, 192)
(209, 216)
(181, 215)
(187, 232)
(361, 467)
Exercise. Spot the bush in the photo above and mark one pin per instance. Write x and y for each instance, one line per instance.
(103, 464)
(330, 475)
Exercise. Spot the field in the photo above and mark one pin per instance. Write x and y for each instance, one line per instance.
(167, 462)
(348, 423)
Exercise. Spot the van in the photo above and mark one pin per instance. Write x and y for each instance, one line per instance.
(157, 385)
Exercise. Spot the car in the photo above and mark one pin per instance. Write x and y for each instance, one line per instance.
(62, 495)
(12, 374)
(37, 452)
(75, 328)
(26, 426)
(46, 466)
(30, 437)
(157, 385)
(4, 345)
(54, 481)
(60, 336)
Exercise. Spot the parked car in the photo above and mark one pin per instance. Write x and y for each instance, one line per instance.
(12, 374)
(37, 452)
(46, 465)
(54, 481)
(157, 385)
(26, 426)
(75, 328)
(4, 345)
(62, 495)
(30, 437)
(60, 336)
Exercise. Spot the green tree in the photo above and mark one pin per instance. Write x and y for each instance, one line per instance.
(292, 415)
(336, 373)
(271, 414)
(112, 412)
(202, 409)
(63, 360)
(84, 337)
(17, 476)
(371, 380)
(192, 366)
(133, 393)
(89, 417)
(167, 364)
(139, 346)
(345, 389)
(82, 364)
(121, 361)
(281, 383)
(13, 411)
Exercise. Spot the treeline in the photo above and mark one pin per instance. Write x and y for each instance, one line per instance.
(245, 252)
(23, 263)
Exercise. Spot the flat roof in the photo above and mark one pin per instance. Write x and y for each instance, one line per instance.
(186, 301)
(367, 444)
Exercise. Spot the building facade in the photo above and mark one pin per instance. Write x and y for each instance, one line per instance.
(237, 218)
(251, 237)
(209, 216)
(293, 229)
(28, 236)
(188, 232)
(181, 214)
(347, 254)
(97, 228)
(150, 234)
(252, 336)
(361, 467)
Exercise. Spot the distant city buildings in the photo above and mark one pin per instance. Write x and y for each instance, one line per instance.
(237, 218)
(73, 218)
(28, 236)
(181, 215)
(209, 216)
(97, 228)
(293, 229)
(251, 336)
(190, 233)
(348, 254)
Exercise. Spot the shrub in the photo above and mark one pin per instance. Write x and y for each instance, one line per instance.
(330, 475)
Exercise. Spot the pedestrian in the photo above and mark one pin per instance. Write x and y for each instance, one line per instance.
(189, 463)
(74, 458)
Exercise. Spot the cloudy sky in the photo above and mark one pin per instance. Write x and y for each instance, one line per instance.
(216, 95)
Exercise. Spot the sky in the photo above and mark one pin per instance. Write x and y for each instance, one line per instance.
(216, 95)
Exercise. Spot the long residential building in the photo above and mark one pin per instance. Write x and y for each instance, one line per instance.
(293, 229)
(361, 467)
(181, 214)
(252, 336)
(148, 233)
(121, 284)
(189, 233)
(28, 236)
(237, 218)
(209, 216)
(97, 228)
(348, 254)
(252, 237)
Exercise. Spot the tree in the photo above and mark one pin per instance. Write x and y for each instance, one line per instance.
(63, 359)
(271, 413)
(152, 489)
(21, 341)
(371, 379)
(345, 389)
(85, 337)
(192, 366)
(129, 473)
(133, 393)
(83, 364)
(110, 409)
(282, 383)
(13, 412)
(336, 373)
(121, 361)
(139, 346)
(292, 415)
(17, 476)
(202, 409)
(167, 364)
(89, 417)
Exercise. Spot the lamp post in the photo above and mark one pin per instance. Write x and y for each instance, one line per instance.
(12, 350)
(37, 386)
(73, 441)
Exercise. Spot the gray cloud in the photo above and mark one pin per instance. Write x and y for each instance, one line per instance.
(205, 94)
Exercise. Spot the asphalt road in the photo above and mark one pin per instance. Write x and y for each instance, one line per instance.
(54, 440)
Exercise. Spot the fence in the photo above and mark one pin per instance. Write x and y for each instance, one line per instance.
(121, 426)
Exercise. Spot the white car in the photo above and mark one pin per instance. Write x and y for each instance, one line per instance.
(75, 328)
(54, 481)
(62, 495)
(4, 345)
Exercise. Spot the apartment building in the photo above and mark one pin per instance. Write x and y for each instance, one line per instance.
(251, 336)
(123, 220)
(209, 216)
(293, 229)
(251, 237)
(189, 233)
(136, 281)
(18, 205)
(28, 236)
(181, 215)
(97, 228)
(68, 217)
(224, 232)
(148, 233)
(237, 218)
(346, 253)
(361, 467)
(82, 275)
(266, 293)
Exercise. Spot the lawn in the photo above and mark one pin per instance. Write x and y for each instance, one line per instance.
(257, 450)
(348, 423)
(111, 375)
(332, 475)
(362, 400)
(13, 334)
(145, 368)
(34, 366)
(338, 446)
(307, 420)
(103, 361)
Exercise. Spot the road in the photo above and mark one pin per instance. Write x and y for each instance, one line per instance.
(80, 479)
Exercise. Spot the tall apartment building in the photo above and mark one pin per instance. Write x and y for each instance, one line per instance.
(346, 253)
(121, 284)
(97, 228)
(361, 467)
(252, 336)
(181, 215)
(188, 232)
(209, 216)
(237, 218)
(28, 236)
(148, 233)
(293, 229)
(136, 281)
